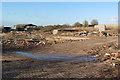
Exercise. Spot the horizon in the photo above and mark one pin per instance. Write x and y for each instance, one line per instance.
(54, 13)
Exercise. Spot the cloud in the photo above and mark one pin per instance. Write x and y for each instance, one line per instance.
(38, 15)
(113, 19)
(44, 16)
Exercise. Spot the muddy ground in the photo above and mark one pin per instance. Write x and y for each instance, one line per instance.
(19, 66)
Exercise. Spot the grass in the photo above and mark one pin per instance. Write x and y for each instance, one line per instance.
(15, 37)
(53, 39)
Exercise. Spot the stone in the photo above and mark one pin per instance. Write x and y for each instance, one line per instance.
(100, 27)
(113, 64)
(113, 58)
(113, 54)
(55, 31)
(107, 55)
(118, 55)
(118, 59)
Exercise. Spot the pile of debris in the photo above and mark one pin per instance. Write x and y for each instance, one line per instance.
(23, 40)
(25, 43)
(112, 58)
(82, 33)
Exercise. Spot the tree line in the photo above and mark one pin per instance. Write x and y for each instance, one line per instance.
(52, 27)
(77, 24)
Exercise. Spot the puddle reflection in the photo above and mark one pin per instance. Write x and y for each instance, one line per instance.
(60, 57)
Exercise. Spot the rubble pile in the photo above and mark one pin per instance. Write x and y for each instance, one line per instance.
(107, 53)
(23, 40)
(18, 44)
(111, 47)
(112, 58)
(82, 33)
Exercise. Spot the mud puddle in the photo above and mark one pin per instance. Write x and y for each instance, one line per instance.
(60, 57)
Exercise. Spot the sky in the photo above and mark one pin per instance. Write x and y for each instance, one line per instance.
(53, 13)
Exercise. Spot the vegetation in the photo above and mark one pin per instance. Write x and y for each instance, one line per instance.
(94, 22)
(85, 23)
(77, 24)
(49, 28)
(65, 25)
(52, 27)
(40, 27)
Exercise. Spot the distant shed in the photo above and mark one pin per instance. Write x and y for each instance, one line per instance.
(25, 27)
(100, 27)
(30, 26)
(55, 31)
(6, 29)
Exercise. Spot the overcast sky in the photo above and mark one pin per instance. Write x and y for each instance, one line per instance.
(51, 13)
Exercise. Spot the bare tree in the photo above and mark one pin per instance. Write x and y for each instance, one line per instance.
(65, 25)
(77, 24)
(85, 23)
(94, 22)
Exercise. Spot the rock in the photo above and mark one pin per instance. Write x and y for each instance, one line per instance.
(103, 59)
(113, 58)
(83, 34)
(107, 55)
(117, 55)
(89, 34)
(113, 54)
(95, 32)
(43, 42)
(107, 61)
(118, 59)
(113, 64)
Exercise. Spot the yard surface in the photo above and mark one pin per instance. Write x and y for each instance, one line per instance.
(20, 66)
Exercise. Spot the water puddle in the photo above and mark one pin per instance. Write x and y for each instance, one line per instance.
(59, 57)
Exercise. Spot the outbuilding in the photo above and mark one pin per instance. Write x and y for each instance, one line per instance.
(6, 29)
(25, 27)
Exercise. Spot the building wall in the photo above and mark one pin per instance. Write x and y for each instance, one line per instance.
(115, 26)
(55, 31)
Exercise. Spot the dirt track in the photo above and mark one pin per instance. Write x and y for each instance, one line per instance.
(76, 47)
(19, 66)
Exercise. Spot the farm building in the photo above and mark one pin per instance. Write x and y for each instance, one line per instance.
(55, 31)
(24, 27)
(6, 29)
(100, 27)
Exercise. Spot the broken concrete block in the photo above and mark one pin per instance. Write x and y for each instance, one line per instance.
(55, 31)
(118, 59)
(117, 55)
(107, 55)
(113, 54)
(113, 64)
(113, 58)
